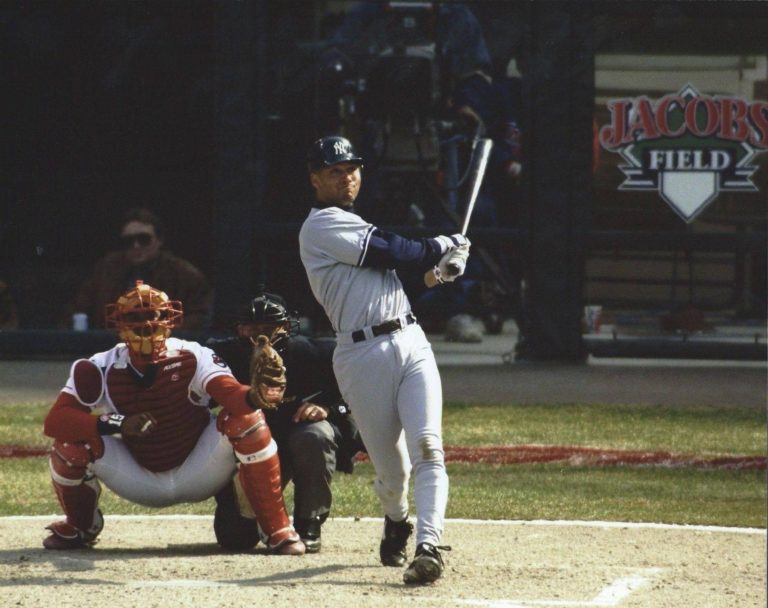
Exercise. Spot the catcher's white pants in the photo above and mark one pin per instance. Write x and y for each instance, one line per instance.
(393, 388)
(207, 469)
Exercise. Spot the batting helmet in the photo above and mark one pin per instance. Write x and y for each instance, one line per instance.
(332, 150)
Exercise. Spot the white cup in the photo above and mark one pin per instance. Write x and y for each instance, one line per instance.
(593, 318)
(80, 321)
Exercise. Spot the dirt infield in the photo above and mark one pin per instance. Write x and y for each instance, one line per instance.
(171, 561)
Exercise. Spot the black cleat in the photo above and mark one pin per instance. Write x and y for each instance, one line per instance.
(309, 530)
(392, 547)
(427, 565)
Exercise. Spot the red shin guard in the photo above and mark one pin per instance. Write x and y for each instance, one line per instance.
(259, 474)
(77, 492)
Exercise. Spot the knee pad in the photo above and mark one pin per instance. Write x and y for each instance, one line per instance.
(69, 462)
(249, 435)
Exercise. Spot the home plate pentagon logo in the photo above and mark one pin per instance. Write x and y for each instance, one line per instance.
(687, 146)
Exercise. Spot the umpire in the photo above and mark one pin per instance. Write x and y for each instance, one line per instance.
(314, 433)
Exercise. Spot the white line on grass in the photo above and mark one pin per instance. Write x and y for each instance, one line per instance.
(478, 522)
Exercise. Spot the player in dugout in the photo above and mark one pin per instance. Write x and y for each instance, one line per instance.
(155, 441)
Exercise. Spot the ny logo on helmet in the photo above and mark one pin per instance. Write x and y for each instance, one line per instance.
(340, 148)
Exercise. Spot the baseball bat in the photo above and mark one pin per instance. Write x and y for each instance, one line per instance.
(480, 162)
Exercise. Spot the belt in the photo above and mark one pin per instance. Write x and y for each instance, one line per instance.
(385, 328)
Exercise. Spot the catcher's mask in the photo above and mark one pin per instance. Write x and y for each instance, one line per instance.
(267, 315)
(144, 317)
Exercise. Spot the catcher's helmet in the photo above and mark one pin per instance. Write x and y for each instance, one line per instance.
(144, 317)
(332, 150)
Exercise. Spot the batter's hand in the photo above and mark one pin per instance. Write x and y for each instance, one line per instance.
(449, 243)
(453, 263)
(138, 426)
(310, 412)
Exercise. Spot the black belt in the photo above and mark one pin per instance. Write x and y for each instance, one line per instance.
(385, 328)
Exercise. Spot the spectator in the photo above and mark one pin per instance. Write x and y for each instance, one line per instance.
(142, 257)
(156, 442)
(314, 432)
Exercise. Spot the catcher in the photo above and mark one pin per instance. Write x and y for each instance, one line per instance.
(315, 434)
(156, 442)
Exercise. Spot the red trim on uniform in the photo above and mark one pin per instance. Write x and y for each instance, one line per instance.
(69, 421)
(230, 394)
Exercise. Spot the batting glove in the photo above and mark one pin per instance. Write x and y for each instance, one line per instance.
(454, 263)
(449, 243)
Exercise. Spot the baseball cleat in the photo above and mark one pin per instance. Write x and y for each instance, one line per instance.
(65, 537)
(309, 530)
(286, 542)
(392, 548)
(427, 565)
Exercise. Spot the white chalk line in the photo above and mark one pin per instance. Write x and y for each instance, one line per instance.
(474, 522)
(610, 596)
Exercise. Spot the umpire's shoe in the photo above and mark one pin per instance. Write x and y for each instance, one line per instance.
(427, 565)
(392, 547)
(310, 532)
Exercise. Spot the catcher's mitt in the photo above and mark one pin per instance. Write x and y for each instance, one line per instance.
(267, 375)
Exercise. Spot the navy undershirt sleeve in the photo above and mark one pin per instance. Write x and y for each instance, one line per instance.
(394, 252)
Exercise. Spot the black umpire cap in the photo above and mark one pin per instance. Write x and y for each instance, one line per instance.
(332, 150)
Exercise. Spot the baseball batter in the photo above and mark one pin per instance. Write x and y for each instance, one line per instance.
(156, 442)
(383, 362)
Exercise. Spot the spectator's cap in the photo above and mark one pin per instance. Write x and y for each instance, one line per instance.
(332, 150)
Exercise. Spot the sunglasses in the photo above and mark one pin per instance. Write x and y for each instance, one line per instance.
(142, 238)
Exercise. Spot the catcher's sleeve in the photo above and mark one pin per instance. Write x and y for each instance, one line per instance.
(69, 421)
(231, 395)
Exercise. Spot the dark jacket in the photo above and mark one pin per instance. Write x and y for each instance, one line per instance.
(309, 371)
(113, 275)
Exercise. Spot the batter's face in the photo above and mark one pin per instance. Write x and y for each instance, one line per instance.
(337, 184)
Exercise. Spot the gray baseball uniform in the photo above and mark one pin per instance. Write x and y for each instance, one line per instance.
(383, 362)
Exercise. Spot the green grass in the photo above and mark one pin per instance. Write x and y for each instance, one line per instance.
(701, 430)
(534, 491)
